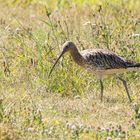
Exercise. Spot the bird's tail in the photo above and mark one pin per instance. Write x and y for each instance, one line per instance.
(135, 65)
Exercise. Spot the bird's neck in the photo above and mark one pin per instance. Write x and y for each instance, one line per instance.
(77, 57)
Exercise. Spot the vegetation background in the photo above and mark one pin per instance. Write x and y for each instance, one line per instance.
(66, 106)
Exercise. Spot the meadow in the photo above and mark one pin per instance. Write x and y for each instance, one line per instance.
(67, 105)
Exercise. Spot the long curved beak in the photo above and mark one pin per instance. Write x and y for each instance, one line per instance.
(55, 63)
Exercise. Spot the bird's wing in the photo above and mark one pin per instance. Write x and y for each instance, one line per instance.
(104, 59)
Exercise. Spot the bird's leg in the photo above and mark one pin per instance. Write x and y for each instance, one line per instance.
(102, 88)
(126, 88)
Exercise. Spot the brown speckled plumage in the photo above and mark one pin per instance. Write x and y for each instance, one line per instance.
(105, 62)
(98, 61)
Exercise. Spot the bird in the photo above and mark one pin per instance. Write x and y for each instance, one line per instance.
(100, 62)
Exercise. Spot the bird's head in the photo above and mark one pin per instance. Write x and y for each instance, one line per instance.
(67, 46)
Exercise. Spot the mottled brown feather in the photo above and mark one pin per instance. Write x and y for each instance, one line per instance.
(103, 59)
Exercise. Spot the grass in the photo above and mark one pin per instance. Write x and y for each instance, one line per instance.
(66, 106)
